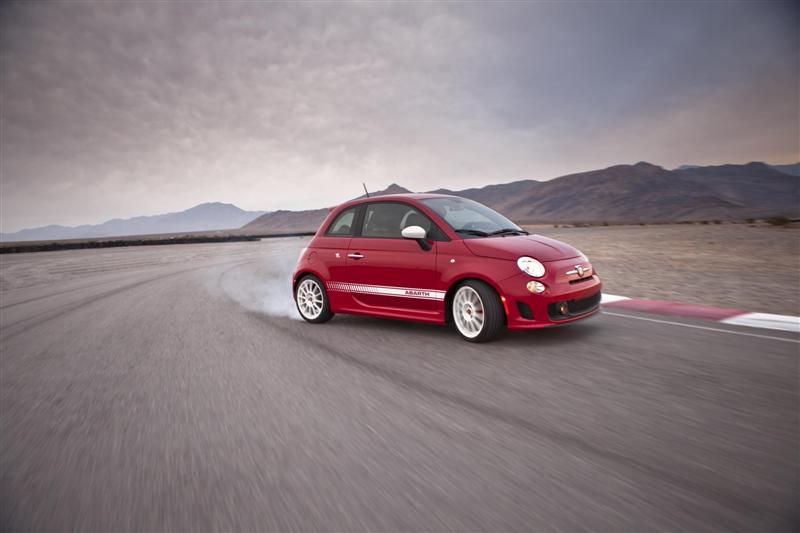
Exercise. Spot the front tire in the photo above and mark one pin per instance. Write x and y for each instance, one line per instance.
(311, 299)
(477, 311)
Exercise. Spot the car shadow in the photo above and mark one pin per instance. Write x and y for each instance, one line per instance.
(568, 333)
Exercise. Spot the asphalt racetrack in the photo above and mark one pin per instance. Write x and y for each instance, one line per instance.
(170, 388)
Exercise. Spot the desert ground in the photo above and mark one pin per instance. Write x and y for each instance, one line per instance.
(749, 267)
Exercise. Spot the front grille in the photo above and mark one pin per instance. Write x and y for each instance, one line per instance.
(580, 280)
(574, 307)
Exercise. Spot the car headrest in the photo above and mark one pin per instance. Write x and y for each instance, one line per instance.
(415, 219)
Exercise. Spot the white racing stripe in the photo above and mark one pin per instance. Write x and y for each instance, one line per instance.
(382, 290)
(765, 320)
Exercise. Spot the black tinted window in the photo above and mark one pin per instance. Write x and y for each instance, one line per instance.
(343, 224)
(388, 219)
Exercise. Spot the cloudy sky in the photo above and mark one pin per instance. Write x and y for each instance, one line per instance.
(115, 110)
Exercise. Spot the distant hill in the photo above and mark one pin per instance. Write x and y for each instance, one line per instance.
(203, 217)
(642, 192)
(288, 221)
(391, 189)
(499, 197)
(645, 192)
(793, 169)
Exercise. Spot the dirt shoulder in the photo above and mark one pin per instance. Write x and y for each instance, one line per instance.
(754, 268)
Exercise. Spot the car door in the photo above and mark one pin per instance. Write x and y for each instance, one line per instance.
(387, 271)
(330, 251)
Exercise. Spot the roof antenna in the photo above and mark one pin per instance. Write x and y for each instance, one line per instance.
(365, 188)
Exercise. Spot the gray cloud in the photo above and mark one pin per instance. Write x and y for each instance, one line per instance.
(119, 109)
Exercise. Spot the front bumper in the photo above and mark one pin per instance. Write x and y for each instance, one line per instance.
(563, 302)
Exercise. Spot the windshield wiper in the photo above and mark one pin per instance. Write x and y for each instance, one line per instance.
(477, 232)
(509, 231)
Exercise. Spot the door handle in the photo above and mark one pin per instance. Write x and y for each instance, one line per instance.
(355, 255)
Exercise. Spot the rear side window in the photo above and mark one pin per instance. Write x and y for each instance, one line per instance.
(387, 220)
(344, 224)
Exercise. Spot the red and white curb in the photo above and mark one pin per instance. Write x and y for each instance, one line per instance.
(734, 317)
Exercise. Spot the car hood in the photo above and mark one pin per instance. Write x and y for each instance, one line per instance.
(514, 247)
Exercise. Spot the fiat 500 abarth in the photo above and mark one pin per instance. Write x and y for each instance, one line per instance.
(445, 260)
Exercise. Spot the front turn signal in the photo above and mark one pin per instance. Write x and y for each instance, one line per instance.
(536, 287)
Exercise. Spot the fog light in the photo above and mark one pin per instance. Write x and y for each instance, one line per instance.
(536, 287)
(563, 309)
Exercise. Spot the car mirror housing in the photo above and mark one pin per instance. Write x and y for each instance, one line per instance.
(414, 232)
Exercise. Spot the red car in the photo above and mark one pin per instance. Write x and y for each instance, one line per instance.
(441, 259)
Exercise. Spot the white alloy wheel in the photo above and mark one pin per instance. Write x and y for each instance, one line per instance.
(310, 300)
(468, 312)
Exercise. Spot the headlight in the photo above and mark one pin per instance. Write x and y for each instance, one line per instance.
(531, 266)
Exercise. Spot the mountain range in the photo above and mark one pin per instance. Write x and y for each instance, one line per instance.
(641, 192)
(203, 217)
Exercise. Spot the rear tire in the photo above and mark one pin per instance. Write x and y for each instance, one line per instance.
(311, 299)
(477, 311)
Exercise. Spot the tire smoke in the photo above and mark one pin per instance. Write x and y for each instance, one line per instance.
(267, 287)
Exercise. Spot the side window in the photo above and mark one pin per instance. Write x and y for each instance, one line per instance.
(387, 220)
(343, 224)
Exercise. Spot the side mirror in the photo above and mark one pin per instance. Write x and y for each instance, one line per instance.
(418, 234)
(414, 232)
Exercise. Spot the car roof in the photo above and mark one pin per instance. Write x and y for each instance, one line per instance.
(389, 197)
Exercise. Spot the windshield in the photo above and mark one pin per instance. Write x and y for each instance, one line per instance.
(471, 219)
